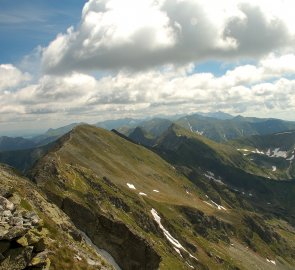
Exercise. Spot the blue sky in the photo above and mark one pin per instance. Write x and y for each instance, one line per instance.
(26, 24)
(89, 61)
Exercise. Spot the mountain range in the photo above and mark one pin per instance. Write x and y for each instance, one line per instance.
(154, 194)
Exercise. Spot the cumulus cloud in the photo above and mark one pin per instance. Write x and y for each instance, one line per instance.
(115, 34)
(264, 87)
(10, 77)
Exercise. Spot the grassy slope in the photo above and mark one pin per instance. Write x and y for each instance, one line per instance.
(198, 154)
(80, 166)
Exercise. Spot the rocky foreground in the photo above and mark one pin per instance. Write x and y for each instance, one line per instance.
(36, 234)
(22, 237)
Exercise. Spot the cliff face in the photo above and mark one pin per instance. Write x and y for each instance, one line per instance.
(35, 234)
(129, 250)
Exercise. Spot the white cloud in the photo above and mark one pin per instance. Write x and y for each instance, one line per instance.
(115, 34)
(10, 77)
(243, 89)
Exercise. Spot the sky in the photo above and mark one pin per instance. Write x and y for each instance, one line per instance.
(88, 61)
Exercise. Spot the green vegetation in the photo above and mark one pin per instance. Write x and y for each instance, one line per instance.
(91, 182)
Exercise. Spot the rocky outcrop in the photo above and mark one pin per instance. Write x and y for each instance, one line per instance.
(22, 238)
(209, 227)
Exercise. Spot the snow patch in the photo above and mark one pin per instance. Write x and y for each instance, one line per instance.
(211, 176)
(208, 203)
(199, 132)
(142, 194)
(189, 265)
(169, 237)
(287, 132)
(271, 261)
(176, 245)
(131, 186)
(290, 158)
(278, 153)
(219, 207)
(155, 190)
(178, 251)
(212, 204)
(274, 168)
(189, 125)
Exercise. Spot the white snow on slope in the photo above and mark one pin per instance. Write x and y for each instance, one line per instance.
(274, 168)
(246, 150)
(212, 204)
(189, 125)
(287, 132)
(258, 152)
(211, 176)
(142, 194)
(278, 153)
(155, 190)
(176, 245)
(208, 203)
(131, 186)
(178, 251)
(271, 261)
(290, 158)
(219, 207)
(199, 132)
(169, 237)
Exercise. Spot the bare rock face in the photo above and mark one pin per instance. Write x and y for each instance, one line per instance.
(22, 244)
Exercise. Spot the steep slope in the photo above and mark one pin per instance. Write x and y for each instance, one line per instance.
(193, 148)
(148, 215)
(274, 152)
(203, 160)
(139, 135)
(34, 233)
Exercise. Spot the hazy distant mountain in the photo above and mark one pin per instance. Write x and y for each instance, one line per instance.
(9, 143)
(218, 115)
(119, 123)
(53, 134)
(228, 129)
(19, 143)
